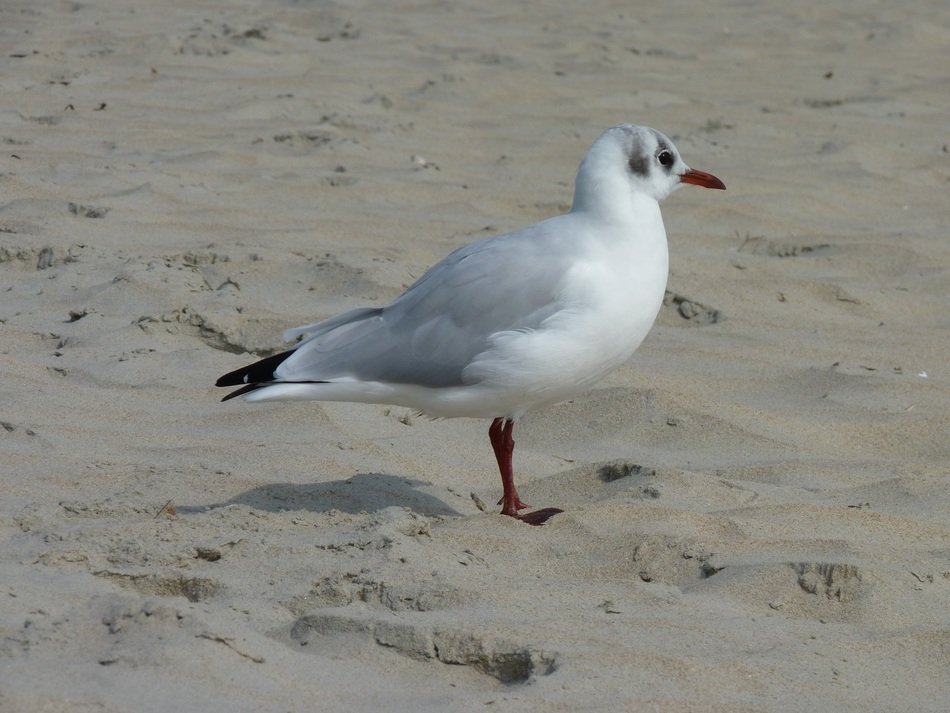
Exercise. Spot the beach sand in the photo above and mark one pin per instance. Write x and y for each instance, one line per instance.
(757, 511)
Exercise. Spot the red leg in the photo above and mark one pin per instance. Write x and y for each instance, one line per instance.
(503, 444)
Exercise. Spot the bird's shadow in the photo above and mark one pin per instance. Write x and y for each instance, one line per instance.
(364, 492)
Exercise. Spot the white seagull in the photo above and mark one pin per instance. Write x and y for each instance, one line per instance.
(510, 323)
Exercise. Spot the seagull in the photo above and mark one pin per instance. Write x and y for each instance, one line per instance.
(510, 323)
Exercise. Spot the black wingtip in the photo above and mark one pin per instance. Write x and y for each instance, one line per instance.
(246, 390)
(230, 378)
(259, 372)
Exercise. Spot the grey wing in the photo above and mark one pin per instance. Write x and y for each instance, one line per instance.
(431, 332)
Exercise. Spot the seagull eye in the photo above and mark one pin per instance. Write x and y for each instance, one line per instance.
(665, 158)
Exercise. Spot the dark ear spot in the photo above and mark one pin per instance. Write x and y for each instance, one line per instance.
(640, 165)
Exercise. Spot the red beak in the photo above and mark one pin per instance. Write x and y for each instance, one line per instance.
(701, 178)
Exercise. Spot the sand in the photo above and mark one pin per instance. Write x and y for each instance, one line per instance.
(757, 512)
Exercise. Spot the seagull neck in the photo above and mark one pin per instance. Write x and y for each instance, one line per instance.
(617, 207)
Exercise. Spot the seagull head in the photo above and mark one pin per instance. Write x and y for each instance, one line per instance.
(634, 159)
